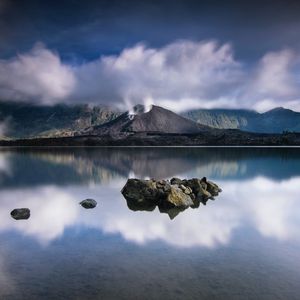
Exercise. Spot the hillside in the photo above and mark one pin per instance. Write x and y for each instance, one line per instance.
(21, 120)
(276, 120)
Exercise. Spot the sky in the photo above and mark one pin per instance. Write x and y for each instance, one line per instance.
(180, 54)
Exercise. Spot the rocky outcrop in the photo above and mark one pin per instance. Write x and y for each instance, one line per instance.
(171, 196)
(20, 213)
(88, 203)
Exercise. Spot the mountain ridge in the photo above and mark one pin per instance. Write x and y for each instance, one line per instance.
(276, 120)
(23, 120)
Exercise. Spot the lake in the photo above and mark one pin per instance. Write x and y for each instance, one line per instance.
(243, 245)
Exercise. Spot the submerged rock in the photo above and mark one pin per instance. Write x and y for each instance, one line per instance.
(88, 203)
(20, 213)
(171, 197)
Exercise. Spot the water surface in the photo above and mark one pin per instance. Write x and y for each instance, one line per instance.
(243, 245)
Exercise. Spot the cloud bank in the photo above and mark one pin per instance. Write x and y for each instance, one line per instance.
(180, 76)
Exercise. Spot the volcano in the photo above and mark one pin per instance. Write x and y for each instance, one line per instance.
(156, 120)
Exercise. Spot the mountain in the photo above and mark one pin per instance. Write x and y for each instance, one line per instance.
(277, 120)
(22, 120)
(161, 127)
(156, 120)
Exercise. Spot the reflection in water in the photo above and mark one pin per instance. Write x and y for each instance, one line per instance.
(229, 247)
(269, 207)
(29, 167)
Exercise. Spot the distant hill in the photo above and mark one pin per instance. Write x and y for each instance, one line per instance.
(22, 120)
(276, 120)
(156, 120)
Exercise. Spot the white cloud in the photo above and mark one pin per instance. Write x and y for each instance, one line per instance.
(273, 75)
(182, 75)
(274, 81)
(37, 75)
(180, 71)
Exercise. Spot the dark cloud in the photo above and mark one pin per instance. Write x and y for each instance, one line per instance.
(81, 30)
(153, 50)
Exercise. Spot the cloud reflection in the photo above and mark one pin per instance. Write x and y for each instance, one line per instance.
(4, 163)
(269, 207)
(52, 210)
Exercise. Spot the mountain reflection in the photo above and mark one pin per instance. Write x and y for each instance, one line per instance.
(33, 167)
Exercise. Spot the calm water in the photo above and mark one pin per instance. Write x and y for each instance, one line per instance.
(243, 245)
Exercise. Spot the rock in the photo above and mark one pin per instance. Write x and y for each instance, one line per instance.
(171, 196)
(176, 180)
(140, 204)
(20, 213)
(142, 190)
(88, 203)
(203, 183)
(172, 212)
(194, 184)
(213, 188)
(178, 198)
(202, 193)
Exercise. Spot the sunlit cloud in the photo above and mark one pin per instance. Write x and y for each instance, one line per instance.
(36, 76)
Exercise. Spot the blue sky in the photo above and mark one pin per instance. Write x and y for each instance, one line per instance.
(255, 45)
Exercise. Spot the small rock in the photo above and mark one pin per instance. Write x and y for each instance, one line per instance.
(20, 213)
(88, 203)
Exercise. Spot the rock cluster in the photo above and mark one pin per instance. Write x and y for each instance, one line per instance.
(170, 196)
